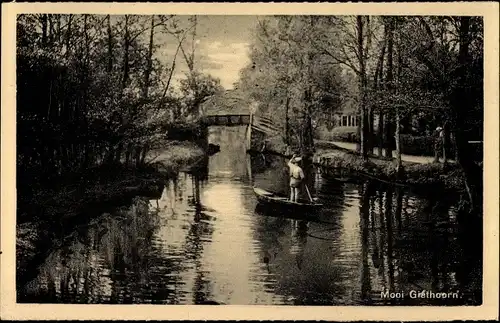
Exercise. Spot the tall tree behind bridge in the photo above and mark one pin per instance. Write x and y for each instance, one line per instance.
(290, 78)
(196, 86)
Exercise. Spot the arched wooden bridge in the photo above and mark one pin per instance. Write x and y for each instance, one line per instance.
(260, 123)
(230, 109)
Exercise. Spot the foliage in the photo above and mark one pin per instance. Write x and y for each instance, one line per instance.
(417, 175)
(196, 87)
(176, 155)
(425, 68)
(283, 79)
(92, 90)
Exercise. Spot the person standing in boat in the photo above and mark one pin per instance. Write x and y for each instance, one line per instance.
(296, 177)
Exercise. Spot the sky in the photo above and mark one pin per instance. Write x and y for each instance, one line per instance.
(221, 47)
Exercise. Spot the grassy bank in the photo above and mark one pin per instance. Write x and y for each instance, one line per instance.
(435, 175)
(44, 221)
(172, 156)
(420, 176)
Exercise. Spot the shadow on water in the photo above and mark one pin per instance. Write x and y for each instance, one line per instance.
(205, 240)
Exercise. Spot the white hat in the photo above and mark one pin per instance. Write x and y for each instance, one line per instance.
(439, 128)
(297, 159)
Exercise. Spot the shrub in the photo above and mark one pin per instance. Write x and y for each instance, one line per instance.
(417, 145)
(430, 175)
(184, 131)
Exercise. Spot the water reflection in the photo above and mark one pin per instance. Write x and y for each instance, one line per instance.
(205, 241)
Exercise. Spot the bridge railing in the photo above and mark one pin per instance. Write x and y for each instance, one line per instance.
(265, 123)
(259, 122)
(227, 119)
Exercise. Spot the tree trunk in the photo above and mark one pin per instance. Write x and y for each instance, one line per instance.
(110, 46)
(306, 133)
(87, 155)
(362, 88)
(307, 140)
(310, 138)
(460, 104)
(124, 118)
(137, 155)
(68, 35)
(359, 127)
(379, 84)
(109, 155)
(84, 78)
(73, 155)
(128, 153)
(389, 85)
(368, 108)
(49, 106)
(58, 28)
(118, 153)
(126, 45)
(44, 29)
(287, 121)
(86, 37)
(167, 86)
(50, 35)
(437, 146)
(446, 142)
(371, 131)
(145, 150)
(149, 62)
(380, 134)
(62, 156)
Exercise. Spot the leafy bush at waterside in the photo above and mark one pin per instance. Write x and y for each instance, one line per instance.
(185, 131)
(417, 145)
(420, 175)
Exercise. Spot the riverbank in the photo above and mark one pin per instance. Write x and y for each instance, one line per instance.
(436, 175)
(174, 155)
(44, 219)
(332, 158)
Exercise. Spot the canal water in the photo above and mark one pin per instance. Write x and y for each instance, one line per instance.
(203, 240)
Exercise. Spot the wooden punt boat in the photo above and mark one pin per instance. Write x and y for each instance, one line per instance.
(281, 202)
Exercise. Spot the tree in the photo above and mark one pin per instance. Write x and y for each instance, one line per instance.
(429, 72)
(291, 80)
(349, 42)
(88, 89)
(195, 88)
(461, 101)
